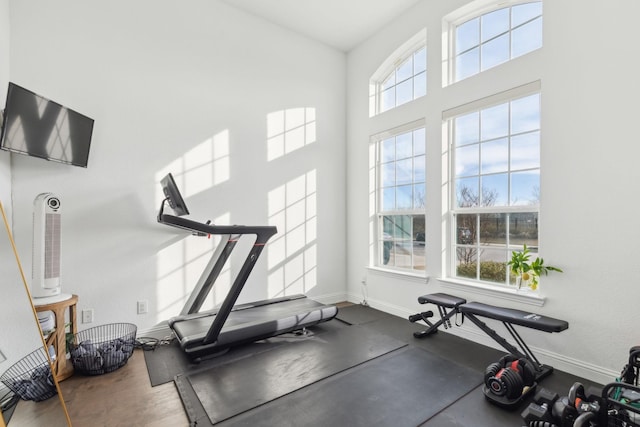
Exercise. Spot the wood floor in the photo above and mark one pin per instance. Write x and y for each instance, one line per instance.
(123, 398)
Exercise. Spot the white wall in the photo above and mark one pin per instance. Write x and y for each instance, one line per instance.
(186, 88)
(19, 334)
(589, 175)
(5, 165)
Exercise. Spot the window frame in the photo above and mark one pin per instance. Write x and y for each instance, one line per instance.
(472, 11)
(390, 65)
(378, 214)
(452, 233)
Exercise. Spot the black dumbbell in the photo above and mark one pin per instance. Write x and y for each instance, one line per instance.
(544, 396)
(509, 376)
(564, 413)
(535, 412)
(578, 399)
(541, 408)
(584, 420)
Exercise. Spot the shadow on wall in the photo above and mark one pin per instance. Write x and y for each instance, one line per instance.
(291, 254)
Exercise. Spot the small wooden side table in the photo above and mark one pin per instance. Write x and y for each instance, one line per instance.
(62, 367)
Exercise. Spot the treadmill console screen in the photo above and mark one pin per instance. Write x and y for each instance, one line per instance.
(173, 195)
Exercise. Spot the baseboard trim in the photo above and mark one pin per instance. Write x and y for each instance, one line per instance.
(330, 298)
(159, 331)
(560, 362)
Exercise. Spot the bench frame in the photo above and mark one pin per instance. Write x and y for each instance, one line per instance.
(523, 351)
(455, 306)
(445, 320)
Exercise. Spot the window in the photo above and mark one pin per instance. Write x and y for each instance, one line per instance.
(496, 37)
(400, 172)
(402, 77)
(496, 185)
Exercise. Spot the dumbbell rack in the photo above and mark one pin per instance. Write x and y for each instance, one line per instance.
(616, 405)
(623, 398)
(621, 412)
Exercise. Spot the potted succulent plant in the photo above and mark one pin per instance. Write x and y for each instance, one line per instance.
(527, 272)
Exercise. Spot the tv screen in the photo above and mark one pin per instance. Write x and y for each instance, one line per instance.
(173, 196)
(39, 127)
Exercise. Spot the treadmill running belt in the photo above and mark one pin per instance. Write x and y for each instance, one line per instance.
(227, 390)
(247, 325)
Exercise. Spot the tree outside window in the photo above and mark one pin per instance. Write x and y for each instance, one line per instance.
(496, 176)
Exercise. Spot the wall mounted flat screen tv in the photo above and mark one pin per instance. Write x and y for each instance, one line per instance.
(39, 127)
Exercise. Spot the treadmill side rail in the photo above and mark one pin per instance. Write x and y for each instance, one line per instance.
(260, 326)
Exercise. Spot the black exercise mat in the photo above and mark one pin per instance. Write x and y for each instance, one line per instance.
(233, 388)
(167, 361)
(404, 388)
(475, 410)
(457, 349)
(360, 314)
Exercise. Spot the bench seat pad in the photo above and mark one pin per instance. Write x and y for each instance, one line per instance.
(444, 300)
(516, 317)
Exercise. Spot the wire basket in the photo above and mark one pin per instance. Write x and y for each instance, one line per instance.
(103, 349)
(30, 378)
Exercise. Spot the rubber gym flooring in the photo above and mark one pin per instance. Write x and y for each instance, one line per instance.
(363, 368)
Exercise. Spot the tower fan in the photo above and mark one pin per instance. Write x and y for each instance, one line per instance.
(46, 248)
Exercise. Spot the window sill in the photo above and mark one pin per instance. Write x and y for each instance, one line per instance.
(406, 275)
(509, 294)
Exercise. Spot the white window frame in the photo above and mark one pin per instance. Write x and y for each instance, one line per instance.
(470, 11)
(397, 58)
(452, 233)
(378, 214)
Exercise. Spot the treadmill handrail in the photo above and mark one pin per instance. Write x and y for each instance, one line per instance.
(263, 232)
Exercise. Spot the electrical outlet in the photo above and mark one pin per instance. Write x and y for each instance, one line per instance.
(143, 307)
(87, 315)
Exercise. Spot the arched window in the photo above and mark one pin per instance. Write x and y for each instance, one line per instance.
(401, 78)
(485, 39)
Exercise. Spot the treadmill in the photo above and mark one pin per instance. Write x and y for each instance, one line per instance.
(214, 331)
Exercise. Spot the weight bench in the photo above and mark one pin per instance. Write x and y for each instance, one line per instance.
(508, 316)
(443, 302)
